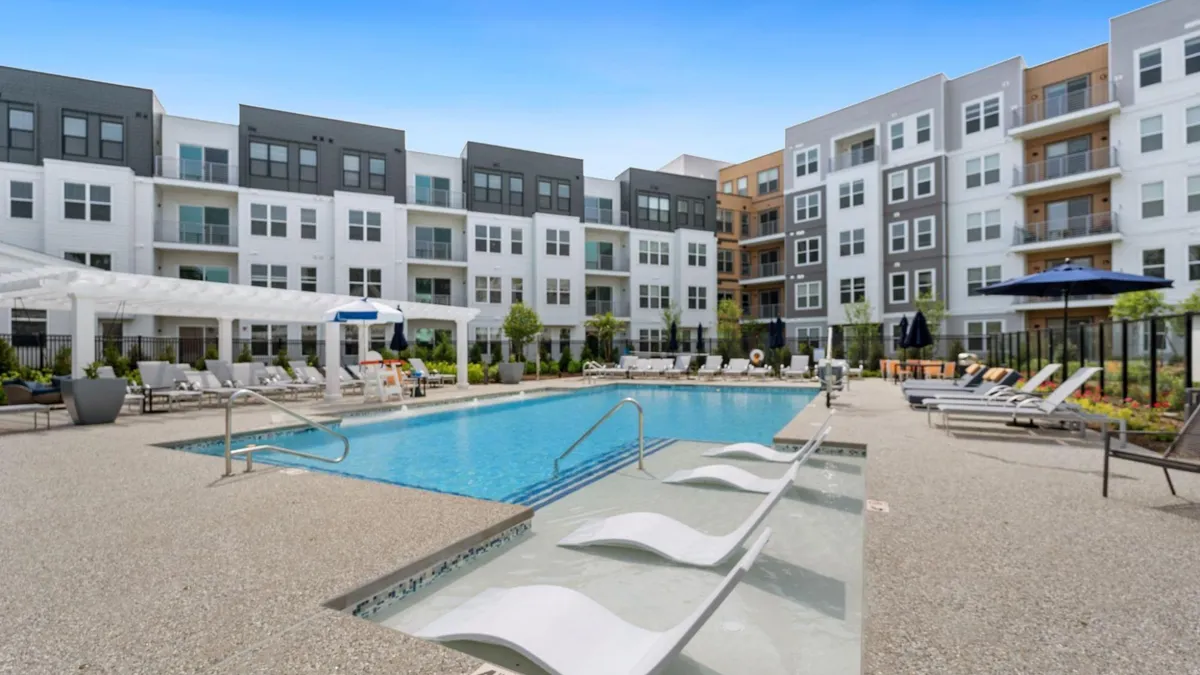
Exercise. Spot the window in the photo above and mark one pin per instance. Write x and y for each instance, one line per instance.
(697, 297)
(74, 135)
(724, 220)
(896, 130)
(366, 226)
(924, 128)
(727, 187)
(654, 252)
(558, 242)
(977, 332)
(1152, 133)
(768, 181)
(269, 276)
(978, 277)
(808, 295)
(925, 284)
(923, 233)
(518, 290)
(204, 273)
(1191, 56)
(376, 173)
(983, 226)
(308, 279)
(1193, 194)
(724, 261)
(308, 165)
(654, 296)
(366, 282)
(850, 194)
(74, 201)
(682, 211)
(806, 161)
(923, 179)
(1150, 68)
(597, 210)
(1193, 263)
(270, 221)
(545, 193)
(808, 207)
(487, 238)
(650, 340)
(112, 139)
(898, 283)
(20, 199)
(268, 159)
(1193, 124)
(486, 187)
(1153, 203)
(697, 255)
(558, 291)
(516, 190)
(744, 217)
(432, 243)
(983, 115)
(808, 251)
(102, 261)
(20, 128)
(351, 170)
(487, 290)
(563, 190)
(653, 208)
(1154, 263)
(698, 213)
(898, 237)
(853, 290)
(983, 171)
(897, 186)
(308, 224)
(87, 202)
(852, 242)
(743, 186)
(516, 238)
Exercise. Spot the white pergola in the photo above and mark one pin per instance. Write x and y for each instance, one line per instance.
(35, 280)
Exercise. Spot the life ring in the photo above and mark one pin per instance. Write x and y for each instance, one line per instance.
(757, 356)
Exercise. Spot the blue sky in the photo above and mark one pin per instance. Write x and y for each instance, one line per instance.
(616, 83)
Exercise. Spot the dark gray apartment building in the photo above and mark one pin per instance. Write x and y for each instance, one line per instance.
(521, 182)
(656, 200)
(914, 233)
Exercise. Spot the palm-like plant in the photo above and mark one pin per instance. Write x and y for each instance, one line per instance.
(604, 326)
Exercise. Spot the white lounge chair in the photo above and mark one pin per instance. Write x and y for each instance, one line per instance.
(671, 539)
(133, 395)
(282, 378)
(999, 393)
(797, 368)
(565, 632)
(642, 368)
(682, 363)
(732, 476)
(736, 367)
(758, 371)
(432, 377)
(769, 454)
(622, 369)
(711, 366)
(161, 380)
(314, 376)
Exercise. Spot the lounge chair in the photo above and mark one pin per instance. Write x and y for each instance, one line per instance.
(642, 368)
(672, 539)
(314, 376)
(797, 368)
(26, 408)
(622, 369)
(736, 367)
(732, 476)
(283, 378)
(1183, 454)
(254, 376)
(681, 366)
(769, 454)
(970, 378)
(998, 392)
(209, 387)
(432, 377)
(21, 392)
(161, 380)
(133, 392)
(1001, 379)
(565, 632)
(711, 366)
(758, 371)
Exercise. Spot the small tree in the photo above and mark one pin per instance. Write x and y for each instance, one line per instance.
(521, 325)
(8, 358)
(861, 327)
(245, 356)
(934, 309)
(475, 354)
(564, 359)
(729, 325)
(1189, 305)
(167, 354)
(604, 327)
(443, 351)
(62, 361)
(1140, 305)
(281, 360)
(671, 314)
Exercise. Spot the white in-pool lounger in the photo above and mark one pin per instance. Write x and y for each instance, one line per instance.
(672, 539)
(734, 477)
(769, 454)
(567, 633)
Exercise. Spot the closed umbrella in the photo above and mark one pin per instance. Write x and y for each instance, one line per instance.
(673, 339)
(399, 343)
(903, 342)
(779, 334)
(919, 336)
(700, 339)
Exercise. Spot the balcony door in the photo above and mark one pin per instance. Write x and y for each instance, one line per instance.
(768, 263)
(598, 300)
(1069, 157)
(432, 243)
(768, 304)
(432, 291)
(1068, 218)
(210, 165)
(599, 255)
(1066, 97)
(432, 190)
(204, 225)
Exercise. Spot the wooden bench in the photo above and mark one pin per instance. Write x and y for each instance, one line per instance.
(35, 408)
(1182, 455)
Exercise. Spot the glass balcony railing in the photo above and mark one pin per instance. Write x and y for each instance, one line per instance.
(606, 263)
(175, 232)
(436, 250)
(617, 308)
(427, 196)
(852, 158)
(765, 312)
(194, 169)
(1066, 228)
(1064, 166)
(597, 215)
(437, 299)
(762, 270)
(1064, 104)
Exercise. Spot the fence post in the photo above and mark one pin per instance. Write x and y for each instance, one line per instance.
(1100, 347)
(1124, 359)
(1039, 352)
(1050, 348)
(1028, 366)
(1082, 347)
(1187, 351)
(1153, 361)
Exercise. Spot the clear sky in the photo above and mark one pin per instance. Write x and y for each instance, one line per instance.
(615, 83)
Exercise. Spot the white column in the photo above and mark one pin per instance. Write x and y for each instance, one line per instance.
(333, 361)
(83, 335)
(225, 340)
(460, 349)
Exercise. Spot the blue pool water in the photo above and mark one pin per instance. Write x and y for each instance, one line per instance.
(494, 451)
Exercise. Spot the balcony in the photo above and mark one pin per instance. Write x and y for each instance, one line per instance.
(852, 158)
(426, 196)
(194, 170)
(194, 234)
(598, 216)
(1066, 171)
(438, 299)
(762, 273)
(1068, 111)
(1028, 303)
(616, 307)
(763, 312)
(625, 218)
(1093, 228)
(602, 264)
(762, 233)
(436, 253)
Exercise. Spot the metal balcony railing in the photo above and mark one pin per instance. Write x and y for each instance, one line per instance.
(600, 216)
(1065, 165)
(194, 169)
(1064, 104)
(607, 263)
(851, 158)
(760, 270)
(174, 232)
(437, 299)
(625, 218)
(436, 250)
(764, 312)
(427, 196)
(766, 229)
(1031, 299)
(617, 307)
(1067, 228)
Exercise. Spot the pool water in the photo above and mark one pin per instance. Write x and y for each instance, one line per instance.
(493, 451)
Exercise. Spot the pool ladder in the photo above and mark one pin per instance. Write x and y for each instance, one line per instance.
(249, 451)
(615, 408)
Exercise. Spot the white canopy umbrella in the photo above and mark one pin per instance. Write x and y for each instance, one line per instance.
(364, 311)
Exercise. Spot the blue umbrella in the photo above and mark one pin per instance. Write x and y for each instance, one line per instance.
(673, 341)
(919, 336)
(780, 334)
(399, 343)
(1067, 280)
(903, 343)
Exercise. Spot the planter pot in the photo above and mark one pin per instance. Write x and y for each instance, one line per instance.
(94, 401)
(511, 373)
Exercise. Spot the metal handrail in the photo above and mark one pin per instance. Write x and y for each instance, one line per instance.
(249, 451)
(641, 437)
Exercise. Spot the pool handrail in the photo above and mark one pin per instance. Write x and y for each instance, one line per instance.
(641, 436)
(250, 450)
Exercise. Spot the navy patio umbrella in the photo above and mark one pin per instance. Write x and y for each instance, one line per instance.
(1068, 279)
(903, 341)
(673, 341)
(700, 338)
(919, 336)
(780, 334)
(399, 343)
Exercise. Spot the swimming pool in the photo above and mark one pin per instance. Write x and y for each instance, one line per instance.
(506, 451)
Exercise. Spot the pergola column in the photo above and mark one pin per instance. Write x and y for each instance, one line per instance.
(460, 349)
(333, 361)
(364, 341)
(225, 340)
(83, 335)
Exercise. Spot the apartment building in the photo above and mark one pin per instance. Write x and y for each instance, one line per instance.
(751, 246)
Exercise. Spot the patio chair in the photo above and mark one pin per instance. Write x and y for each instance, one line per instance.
(21, 392)
(768, 454)
(314, 376)
(998, 392)
(564, 631)
(133, 393)
(1183, 454)
(161, 380)
(680, 369)
(969, 379)
(622, 369)
(738, 478)
(797, 368)
(758, 371)
(736, 367)
(434, 378)
(711, 366)
(671, 539)
(282, 377)
(1002, 379)
(642, 368)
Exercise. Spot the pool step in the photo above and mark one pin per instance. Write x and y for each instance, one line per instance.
(550, 490)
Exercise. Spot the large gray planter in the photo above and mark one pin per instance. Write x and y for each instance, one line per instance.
(511, 373)
(94, 401)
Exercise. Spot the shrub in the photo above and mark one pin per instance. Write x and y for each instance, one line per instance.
(475, 355)
(313, 361)
(586, 353)
(112, 357)
(564, 360)
(281, 360)
(549, 367)
(8, 357)
(168, 354)
(574, 367)
(497, 357)
(92, 370)
(530, 367)
(210, 352)
(132, 357)
(444, 351)
(493, 373)
(245, 356)
(387, 354)
(62, 361)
